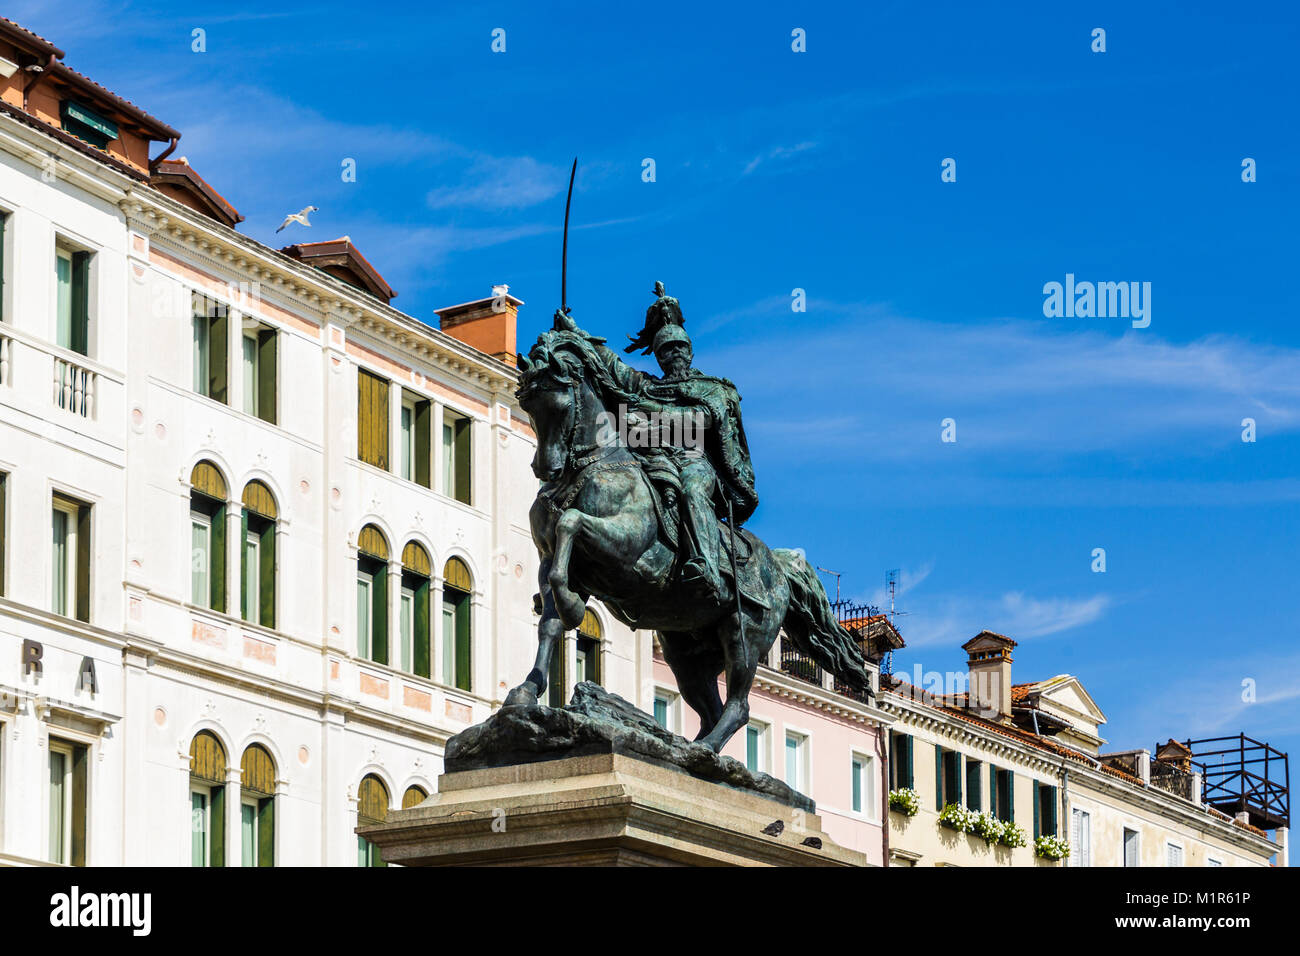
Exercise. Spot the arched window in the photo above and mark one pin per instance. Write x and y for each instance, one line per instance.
(588, 660)
(257, 807)
(207, 800)
(413, 797)
(257, 565)
(208, 537)
(372, 595)
(372, 807)
(457, 588)
(413, 655)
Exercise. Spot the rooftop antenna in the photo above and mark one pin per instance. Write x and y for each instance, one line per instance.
(891, 584)
(837, 580)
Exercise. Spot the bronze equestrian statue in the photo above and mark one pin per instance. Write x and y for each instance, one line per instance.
(650, 522)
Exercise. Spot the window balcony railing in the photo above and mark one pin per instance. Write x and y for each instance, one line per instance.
(74, 387)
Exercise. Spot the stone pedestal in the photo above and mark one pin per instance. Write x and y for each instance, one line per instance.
(601, 810)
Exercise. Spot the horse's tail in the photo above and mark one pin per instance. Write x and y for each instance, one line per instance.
(812, 626)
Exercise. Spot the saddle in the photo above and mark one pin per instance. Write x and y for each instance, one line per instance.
(664, 482)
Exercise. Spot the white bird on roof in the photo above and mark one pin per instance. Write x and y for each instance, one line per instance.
(298, 217)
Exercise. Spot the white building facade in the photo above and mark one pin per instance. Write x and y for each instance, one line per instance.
(265, 540)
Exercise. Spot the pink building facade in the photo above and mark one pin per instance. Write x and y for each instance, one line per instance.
(823, 743)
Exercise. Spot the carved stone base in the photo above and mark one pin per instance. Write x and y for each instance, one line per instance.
(601, 810)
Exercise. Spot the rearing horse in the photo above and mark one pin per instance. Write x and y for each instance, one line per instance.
(597, 532)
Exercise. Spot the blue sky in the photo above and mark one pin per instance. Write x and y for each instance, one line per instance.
(821, 171)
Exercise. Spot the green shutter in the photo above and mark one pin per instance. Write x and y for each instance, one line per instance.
(266, 369)
(1011, 796)
(973, 784)
(910, 765)
(218, 817)
(463, 643)
(423, 423)
(83, 563)
(217, 585)
(379, 597)
(421, 630)
(266, 832)
(1037, 812)
(462, 457)
(266, 574)
(218, 356)
(993, 790)
(81, 302)
(243, 565)
(80, 767)
(938, 777)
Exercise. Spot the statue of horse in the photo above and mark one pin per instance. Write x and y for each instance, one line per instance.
(599, 533)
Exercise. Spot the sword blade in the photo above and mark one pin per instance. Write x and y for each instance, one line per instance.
(564, 253)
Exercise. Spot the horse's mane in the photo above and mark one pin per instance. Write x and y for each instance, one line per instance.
(561, 357)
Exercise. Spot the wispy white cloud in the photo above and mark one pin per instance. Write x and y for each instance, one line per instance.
(492, 182)
(776, 153)
(1026, 387)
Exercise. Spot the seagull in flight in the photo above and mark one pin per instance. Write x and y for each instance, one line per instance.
(298, 217)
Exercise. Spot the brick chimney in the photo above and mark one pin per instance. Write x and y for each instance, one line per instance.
(989, 664)
(485, 324)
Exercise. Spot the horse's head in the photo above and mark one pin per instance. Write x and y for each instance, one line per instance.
(550, 391)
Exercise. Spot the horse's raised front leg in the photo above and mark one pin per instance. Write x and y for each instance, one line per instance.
(602, 540)
(549, 632)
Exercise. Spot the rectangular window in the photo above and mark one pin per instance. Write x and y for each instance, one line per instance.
(457, 610)
(364, 612)
(200, 559)
(259, 373)
(257, 569)
(947, 777)
(974, 784)
(863, 770)
(207, 551)
(72, 299)
(4, 487)
(456, 456)
(1045, 797)
(372, 609)
(200, 826)
(415, 463)
(406, 626)
(795, 759)
(664, 711)
(70, 559)
(1173, 854)
(372, 419)
(1080, 838)
(211, 348)
(4, 283)
(254, 831)
(1130, 847)
(67, 802)
(407, 442)
(756, 748)
(900, 761)
(1002, 798)
(251, 563)
(588, 660)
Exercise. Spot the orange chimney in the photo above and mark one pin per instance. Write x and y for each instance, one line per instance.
(485, 324)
